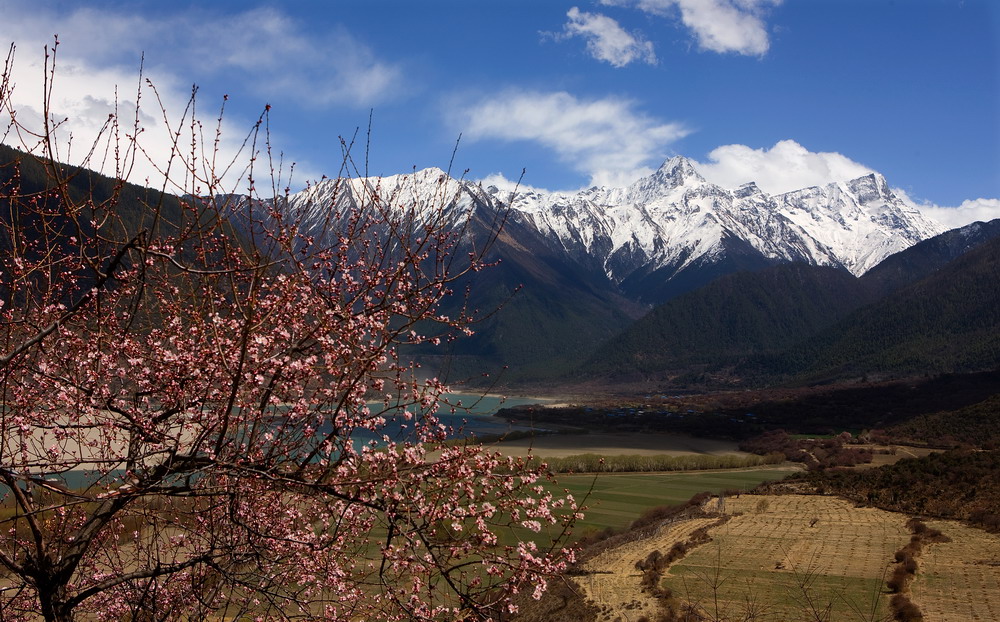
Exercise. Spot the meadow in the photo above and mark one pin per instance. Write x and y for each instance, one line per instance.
(615, 500)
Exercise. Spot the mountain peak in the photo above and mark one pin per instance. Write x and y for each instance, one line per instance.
(871, 186)
(748, 189)
(431, 172)
(674, 220)
(676, 172)
(678, 169)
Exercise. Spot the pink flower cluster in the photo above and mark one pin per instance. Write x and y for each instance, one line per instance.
(183, 385)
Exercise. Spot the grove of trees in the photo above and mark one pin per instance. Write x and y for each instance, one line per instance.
(185, 377)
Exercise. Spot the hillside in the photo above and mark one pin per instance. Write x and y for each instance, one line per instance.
(735, 316)
(976, 425)
(25, 177)
(541, 313)
(931, 308)
(947, 322)
(925, 257)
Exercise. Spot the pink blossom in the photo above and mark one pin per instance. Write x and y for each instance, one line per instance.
(213, 388)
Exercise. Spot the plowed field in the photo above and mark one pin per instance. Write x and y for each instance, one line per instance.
(798, 557)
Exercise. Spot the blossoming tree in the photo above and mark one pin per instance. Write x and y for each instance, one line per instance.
(184, 379)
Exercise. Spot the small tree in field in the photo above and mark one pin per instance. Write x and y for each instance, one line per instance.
(183, 383)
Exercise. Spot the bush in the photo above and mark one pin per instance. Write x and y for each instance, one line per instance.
(905, 610)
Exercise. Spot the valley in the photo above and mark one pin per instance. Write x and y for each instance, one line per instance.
(617, 311)
(753, 546)
(763, 402)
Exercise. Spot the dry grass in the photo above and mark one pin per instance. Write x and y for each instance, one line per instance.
(614, 582)
(799, 557)
(959, 581)
(797, 554)
(783, 557)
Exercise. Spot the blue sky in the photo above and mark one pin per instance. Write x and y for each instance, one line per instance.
(787, 93)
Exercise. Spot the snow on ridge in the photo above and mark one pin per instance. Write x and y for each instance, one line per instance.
(676, 213)
(424, 192)
(854, 223)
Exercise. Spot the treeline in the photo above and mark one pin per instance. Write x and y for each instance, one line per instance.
(902, 607)
(815, 453)
(973, 426)
(868, 406)
(960, 485)
(595, 463)
(743, 415)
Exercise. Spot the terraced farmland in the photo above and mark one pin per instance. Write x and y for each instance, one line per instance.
(798, 557)
(795, 555)
(618, 499)
(959, 580)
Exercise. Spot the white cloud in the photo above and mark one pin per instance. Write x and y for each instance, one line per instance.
(260, 52)
(717, 25)
(607, 40)
(789, 166)
(724, 26)
(952, 217)
(607, 139)
(86, 101)
(278, 59)
(261, 48)
(508, 185)
(784, 167)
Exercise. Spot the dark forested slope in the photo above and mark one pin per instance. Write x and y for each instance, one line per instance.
(933, 308)
(738, 315)
(947, 322)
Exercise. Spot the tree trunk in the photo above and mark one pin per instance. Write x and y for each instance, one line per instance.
(53, 600)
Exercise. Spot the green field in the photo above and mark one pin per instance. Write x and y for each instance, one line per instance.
(618, 499)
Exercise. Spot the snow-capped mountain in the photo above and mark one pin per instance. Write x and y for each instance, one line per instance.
(591, 262)
(666, 233)
(675, 218)
(427, 194)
